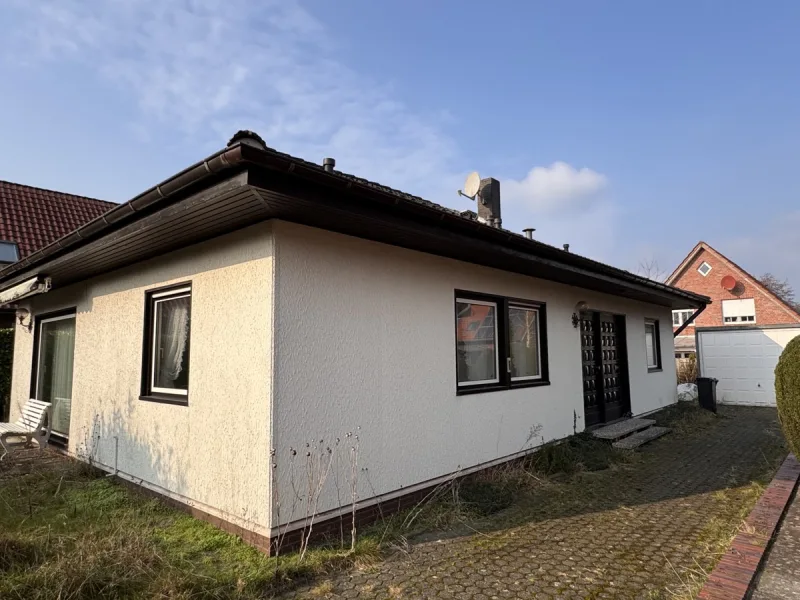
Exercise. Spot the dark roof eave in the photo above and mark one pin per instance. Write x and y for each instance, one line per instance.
(241, 154)
(501, 237)
(122, 213)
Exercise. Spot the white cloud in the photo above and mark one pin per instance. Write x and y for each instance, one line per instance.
(557, 188)
(199, 70)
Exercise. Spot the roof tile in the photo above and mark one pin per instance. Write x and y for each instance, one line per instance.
(34, 217)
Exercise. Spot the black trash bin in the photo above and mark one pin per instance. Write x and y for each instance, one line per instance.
(707, 393)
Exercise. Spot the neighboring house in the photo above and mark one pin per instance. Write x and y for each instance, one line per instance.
(260, 338)
(737, 297)
(31, 218)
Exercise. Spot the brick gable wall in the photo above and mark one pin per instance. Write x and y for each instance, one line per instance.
(768, 311)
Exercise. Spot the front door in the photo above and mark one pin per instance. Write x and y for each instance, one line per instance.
(605, 367)
(54, 358)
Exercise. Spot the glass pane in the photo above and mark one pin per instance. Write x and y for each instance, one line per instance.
(523, 324)
(171, 344)
(676, 318)
(476, 343)
(649, 337)
(54, 373)
(9, 252)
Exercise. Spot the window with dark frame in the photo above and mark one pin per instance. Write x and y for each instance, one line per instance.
(652, 344)
(500, 343)
(165, 364)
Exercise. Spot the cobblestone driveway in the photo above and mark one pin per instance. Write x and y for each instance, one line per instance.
(630, 532)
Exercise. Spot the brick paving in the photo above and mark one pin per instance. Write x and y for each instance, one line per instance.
(637, 531)
(780, 577)
(736, 570)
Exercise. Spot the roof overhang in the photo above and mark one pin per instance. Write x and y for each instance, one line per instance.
(243, 185)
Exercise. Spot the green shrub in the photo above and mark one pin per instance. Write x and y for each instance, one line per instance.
(787, 393)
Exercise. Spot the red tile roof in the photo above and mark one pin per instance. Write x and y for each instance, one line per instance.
(33, 217)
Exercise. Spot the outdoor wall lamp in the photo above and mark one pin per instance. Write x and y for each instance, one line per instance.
(22, 314)
(576, 319)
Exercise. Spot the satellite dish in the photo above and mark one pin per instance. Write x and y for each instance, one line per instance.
(728, 282)
(472, 185)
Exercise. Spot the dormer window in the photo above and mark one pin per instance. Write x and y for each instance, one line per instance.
(704, 269)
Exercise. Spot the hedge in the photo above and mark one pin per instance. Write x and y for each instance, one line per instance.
(787, 393)
(6, 359)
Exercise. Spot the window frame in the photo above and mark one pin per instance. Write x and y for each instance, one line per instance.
(497, 308)
(149, 392)
(682, 320)
(538, 312)
(66, 313)
(710, 268)
(62, 314)
(657, 340)
(503, 343)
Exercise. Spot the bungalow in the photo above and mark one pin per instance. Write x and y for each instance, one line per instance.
(262, 339)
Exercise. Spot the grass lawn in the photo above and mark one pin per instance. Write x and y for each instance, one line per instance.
(67, 533)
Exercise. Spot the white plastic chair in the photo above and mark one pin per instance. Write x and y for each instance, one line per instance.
(33, 424)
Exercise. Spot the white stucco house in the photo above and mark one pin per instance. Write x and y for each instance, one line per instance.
(257, 315)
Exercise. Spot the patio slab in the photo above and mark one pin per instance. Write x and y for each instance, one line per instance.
(620, 429)
(640, 438)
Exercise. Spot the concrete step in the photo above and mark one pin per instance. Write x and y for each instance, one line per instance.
(622, 428)
(640, 438)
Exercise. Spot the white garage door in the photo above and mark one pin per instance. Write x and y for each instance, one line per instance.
(743, 360)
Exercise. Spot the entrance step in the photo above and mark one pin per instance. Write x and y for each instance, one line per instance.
(619, 430)
(640, 438)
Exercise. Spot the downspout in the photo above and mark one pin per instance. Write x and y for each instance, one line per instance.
(689, 321)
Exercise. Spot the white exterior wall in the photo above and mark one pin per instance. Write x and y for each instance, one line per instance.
(214, 453)
(744, 362)
(365, 337)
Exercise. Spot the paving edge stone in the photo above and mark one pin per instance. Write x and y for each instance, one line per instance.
(735, 573)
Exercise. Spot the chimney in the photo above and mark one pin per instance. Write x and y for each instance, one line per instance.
(328, 164)
(566, 247)
(489, 202)
(529, 232)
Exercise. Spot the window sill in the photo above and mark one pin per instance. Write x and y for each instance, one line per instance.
(654, 369)
(166, 399)
(500, 387)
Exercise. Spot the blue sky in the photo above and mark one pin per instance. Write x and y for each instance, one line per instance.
(628, 129)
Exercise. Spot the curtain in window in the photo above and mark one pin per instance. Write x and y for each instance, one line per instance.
(56, 356)
(172, 343)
